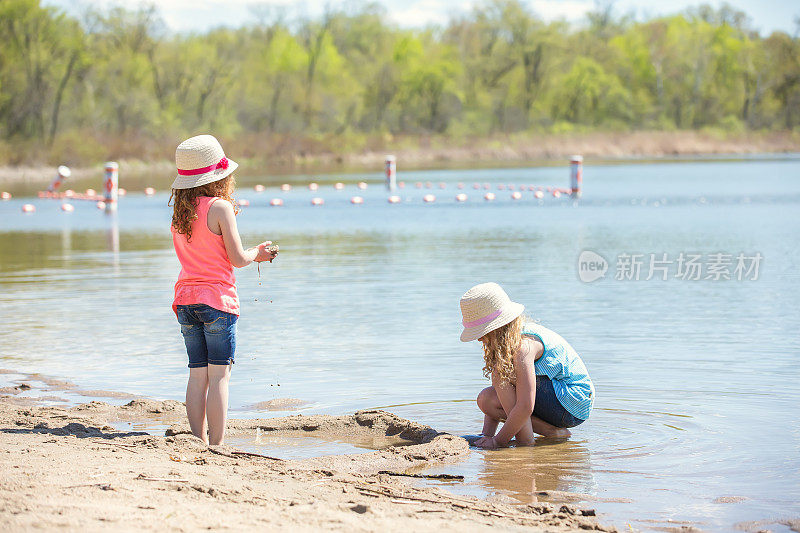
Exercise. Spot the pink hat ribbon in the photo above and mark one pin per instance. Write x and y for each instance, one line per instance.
(223, 164)
(483, 320)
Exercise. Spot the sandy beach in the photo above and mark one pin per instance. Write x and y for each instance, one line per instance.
(70, 469)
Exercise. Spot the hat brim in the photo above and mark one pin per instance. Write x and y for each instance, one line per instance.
(474, 333)
(187, 182)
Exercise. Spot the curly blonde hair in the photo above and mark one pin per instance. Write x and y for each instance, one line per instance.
(184, 211)
(499, 346)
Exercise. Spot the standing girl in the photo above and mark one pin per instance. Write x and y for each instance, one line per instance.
(208, 246)
(539, 383)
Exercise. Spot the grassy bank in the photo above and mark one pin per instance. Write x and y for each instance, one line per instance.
(277, 155)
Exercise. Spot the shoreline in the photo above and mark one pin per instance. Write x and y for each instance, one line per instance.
(420, 153)
(68, 467)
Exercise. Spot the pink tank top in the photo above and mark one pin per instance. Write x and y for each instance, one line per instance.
(206, 273)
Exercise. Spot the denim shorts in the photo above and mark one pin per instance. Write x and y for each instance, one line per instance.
(209, 334)
(548, 408)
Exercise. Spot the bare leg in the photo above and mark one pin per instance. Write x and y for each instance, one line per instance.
(217, 407)
(548, 430)
(196, 391)
(489, 403)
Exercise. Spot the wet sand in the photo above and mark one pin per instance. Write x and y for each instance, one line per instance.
(67, 468)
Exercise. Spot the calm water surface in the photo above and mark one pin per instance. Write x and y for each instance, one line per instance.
(697, 381)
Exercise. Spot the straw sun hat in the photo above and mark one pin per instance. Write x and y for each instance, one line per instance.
(200, 160)
(484, 308)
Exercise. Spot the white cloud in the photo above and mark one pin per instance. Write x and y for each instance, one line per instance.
(557, 9)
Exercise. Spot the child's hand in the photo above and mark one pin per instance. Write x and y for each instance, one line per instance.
(265, 254)
(487, 443)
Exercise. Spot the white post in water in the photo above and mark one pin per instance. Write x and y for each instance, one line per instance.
(111, 185)
(576, 175)
(63, 173)
(391, 172)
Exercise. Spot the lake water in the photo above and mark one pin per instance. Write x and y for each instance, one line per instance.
(697, 381)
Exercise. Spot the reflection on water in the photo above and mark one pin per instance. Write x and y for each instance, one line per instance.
(696, 381)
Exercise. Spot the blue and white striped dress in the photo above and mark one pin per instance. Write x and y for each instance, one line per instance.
(562, 364)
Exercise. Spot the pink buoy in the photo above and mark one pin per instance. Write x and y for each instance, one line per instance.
(489, 196)
(244, 202)
(338, 185)
(531, 188)
(501, 187)
(401, 184)
(516, 195)
(259, 188)
(69, 193)
(313, 186)
(476, 186)
(461, 197)
(362, 185)
(276, 202)
(394, 199)
(67, 208)
(429, 198)
(510, 187)
(539, 194)
(317, 201)
(149, 191)
(286, 187)
(91, 192)
(100, 204)
(556, 194)
(549, 189)
(486, 186)
(460, 185)
(418, 185)
(356, 200)
(5, 195)
(428, 185)
(28, 208)
(120, 192)
(442, 185)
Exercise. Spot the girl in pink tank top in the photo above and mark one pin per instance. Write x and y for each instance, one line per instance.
(206, 303)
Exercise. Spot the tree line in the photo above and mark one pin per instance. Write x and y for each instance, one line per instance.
(118, 79)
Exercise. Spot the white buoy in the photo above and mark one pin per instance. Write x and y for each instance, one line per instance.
(243, 202)
(356, 200)
(313, 186)
(28, 208)
(259, 188)
(429, 198)
(111, 185)
(394, 199)
(62, 173)
(461, 197)
(362, 185)
(276, 202)
(338, 185)
(149, 191)
(69, 193)
(100, 204)
(317, 201)
(121, 192)
(539, 194)
(91, 192)
(286, 187)
(516, 195)
(489, 196)
(576, 175)
(5, 195)
(67, 208)
(391, 173)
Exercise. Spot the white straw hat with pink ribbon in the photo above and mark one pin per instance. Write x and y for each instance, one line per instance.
(484, 308)
(201, 160)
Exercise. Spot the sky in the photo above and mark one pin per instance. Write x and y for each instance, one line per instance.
(200, 15)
